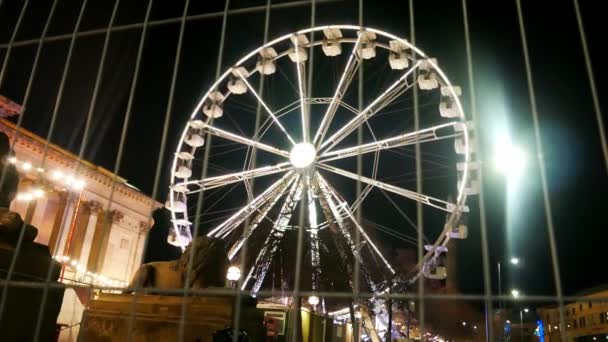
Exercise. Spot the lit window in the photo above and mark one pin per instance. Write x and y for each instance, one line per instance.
(124, 244)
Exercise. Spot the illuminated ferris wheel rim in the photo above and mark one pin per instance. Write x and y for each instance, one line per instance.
(455, 209)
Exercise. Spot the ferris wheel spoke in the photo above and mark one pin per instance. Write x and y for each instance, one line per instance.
(389, 95)
(235, 220)
(219, 181)
(301, 71)
(421, 136)
(347, 76)
(315, 259)
(266, 108)
(342, 206)
(424, 199)
(262, 214)
(237, 138)
(264, 258)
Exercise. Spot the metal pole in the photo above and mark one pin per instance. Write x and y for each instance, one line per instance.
(389, 328)
(488, 321)
(521, 324)
(499, 288)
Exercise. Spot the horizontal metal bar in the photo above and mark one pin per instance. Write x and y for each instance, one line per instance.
(218, 291)
(175, 20)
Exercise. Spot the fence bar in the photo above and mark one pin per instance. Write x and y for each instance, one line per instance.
(543, 172)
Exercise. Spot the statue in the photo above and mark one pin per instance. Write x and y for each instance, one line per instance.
(31, 261)
(11, 222)
(209, 267)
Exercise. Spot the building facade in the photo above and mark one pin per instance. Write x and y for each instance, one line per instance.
(91, 219)
(586, 320)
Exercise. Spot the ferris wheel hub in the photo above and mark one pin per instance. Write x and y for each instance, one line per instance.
(302, 155)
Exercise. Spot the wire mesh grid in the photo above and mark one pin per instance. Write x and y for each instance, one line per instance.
(98, 31)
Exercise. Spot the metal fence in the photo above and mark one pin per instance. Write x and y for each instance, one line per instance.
(225, 31)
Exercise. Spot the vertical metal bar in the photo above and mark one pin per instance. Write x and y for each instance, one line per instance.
(123, 136)
(169, 108)
(12, 41)
(592, 87)
(499, 285)
(54, 115)
(419, 213)
(543, 172)
(299, 251)
(358, 213)
(258, 113)
(200, 201)
(26, 96)
(93, 102)
(487, 282)
(7, 57)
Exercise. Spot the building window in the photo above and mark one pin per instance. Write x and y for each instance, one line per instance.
(573, 311)
(124, 244)
(575, 324)
(581, 322)
(590, 305)
(602, 318)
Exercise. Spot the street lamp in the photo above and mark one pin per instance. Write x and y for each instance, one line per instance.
(515, 293)
(233, 275)
(513, 261)
(313, 300)
(509, 159)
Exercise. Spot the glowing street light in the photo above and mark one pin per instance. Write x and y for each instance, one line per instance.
(514, 261)
(233, 275)
(313, 300)
(515, 293)
(526, 310)
(509, 159)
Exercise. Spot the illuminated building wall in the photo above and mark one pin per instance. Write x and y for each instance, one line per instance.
(49, 195)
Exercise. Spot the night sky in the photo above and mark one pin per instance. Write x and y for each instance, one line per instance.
(576, 174)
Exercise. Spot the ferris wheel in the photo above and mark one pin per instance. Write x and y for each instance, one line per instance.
(303, 151)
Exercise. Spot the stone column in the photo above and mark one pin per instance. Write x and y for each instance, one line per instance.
(145, 227)
(66, 222)
(136, 253)
(80, 229)
(60, 214)
(95, 210)
(105, 219)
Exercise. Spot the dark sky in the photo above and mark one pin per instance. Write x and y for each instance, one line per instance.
(576, 175)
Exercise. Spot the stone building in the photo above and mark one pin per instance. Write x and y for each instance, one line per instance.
(93, 221)
(69, 203)
(586, 319)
